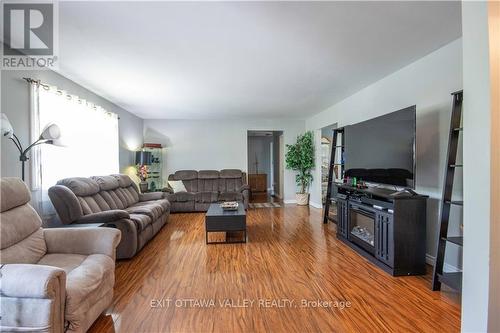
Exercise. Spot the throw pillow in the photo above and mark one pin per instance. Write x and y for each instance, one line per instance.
(177, 186)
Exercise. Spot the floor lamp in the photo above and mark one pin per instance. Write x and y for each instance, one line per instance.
(50, 135)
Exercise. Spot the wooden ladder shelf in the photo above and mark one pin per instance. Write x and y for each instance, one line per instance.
(331, 169)
(451, 279)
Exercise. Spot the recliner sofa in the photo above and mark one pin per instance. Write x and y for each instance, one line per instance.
(115, 201)
(207, 186)
(52, 280)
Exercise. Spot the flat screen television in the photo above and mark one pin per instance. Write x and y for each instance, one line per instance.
(382, 150)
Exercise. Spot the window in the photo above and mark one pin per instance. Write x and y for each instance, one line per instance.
(89, 135)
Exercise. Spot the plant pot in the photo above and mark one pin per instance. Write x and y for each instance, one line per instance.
(302, 199)
(143, 186)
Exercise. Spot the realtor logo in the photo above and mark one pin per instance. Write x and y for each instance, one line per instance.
(29, 35)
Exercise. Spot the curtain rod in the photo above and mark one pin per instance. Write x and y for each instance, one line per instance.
(46, 86)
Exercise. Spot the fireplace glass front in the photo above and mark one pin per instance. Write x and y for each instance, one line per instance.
(362, 228)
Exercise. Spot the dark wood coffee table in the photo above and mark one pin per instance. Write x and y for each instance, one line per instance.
(228, 221)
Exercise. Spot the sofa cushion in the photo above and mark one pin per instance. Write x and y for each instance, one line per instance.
(89, 205)
(21, 243)
(123, 180)
(88, 279)
(162, 202)
(181, 197)
(27, 251)
(185, 206)
(128, 191)
(231, 173)
(12, 231)
(189, 179)
(201, 206)
(151, 209)
(230, 184)
(112, 199)
(128, 195)
(206, 197)
(141, 221)
(208, 185)
(21, 236)
(186, 175)
(117, 197)
(106, 182)
(230, 196)
(80, 186)
(208, 174)
(65, 261)
(230, 180)
(14, 193)
(96, 203)
(208, 181)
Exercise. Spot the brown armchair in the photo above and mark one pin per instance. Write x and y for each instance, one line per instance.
(53, 280)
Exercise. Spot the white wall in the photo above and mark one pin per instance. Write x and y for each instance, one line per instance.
(428, 83)
(216, 144)
(477, 157)
(15, 104)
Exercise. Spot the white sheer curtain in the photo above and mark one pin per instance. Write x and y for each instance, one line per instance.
(89, 134)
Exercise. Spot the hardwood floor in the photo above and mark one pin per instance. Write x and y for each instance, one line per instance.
(290, 256)
(261, 197)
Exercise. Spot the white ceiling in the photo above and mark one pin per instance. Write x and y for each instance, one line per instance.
(244, 59)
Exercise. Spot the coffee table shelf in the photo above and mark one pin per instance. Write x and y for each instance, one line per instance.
(219, 220)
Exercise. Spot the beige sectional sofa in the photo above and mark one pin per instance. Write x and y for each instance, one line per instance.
(115, 201)
(52, 280)
(207, 186)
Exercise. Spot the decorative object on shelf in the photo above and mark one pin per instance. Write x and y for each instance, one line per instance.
(152, 145)
(364, 234)
(229, 205)
(142, 160)
(300, 158)
(143, 157)
(231, 222)
(51, 134)
(155, 167)
(142, 173)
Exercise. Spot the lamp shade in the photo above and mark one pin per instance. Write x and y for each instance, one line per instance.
(7, 129)
(57, 142)
(143, 157)
(51, 132)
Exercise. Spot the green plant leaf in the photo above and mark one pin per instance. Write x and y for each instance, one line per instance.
(300, 158)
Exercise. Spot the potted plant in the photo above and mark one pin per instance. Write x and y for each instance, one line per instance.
(300, 158)
(142, 173)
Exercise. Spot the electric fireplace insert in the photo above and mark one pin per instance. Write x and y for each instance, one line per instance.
(362, 227)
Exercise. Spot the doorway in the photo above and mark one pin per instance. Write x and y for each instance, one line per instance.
(265, 150)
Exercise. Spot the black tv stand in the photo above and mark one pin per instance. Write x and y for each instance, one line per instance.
(404, 191)
(385, 226)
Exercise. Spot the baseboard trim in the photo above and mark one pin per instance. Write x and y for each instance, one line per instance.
(430, 260)
(315, 204)
(312, 204)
